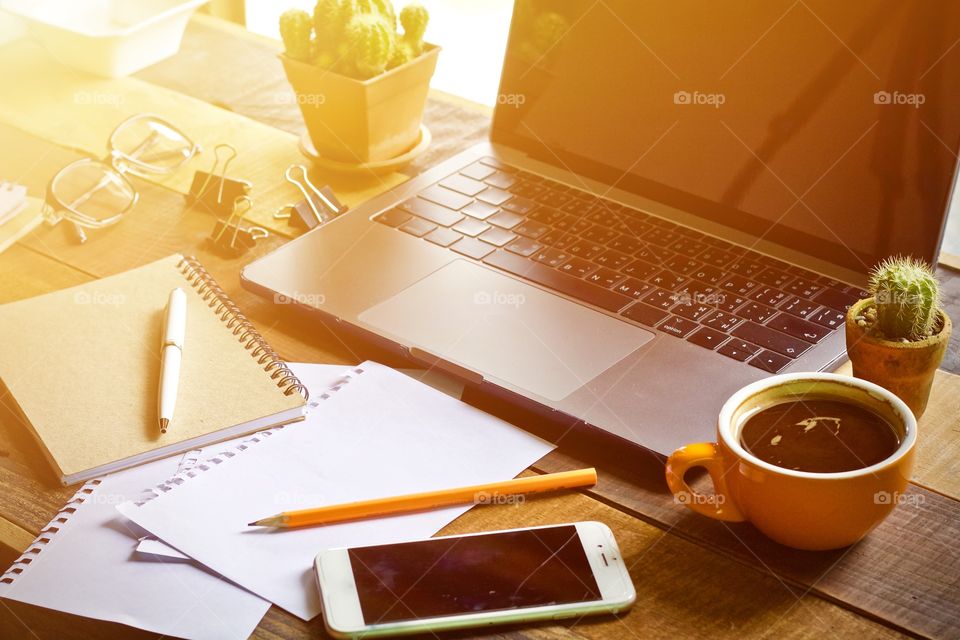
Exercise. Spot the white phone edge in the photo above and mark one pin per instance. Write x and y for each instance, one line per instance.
(344, 619)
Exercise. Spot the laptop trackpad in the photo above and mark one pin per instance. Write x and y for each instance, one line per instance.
(501, 327)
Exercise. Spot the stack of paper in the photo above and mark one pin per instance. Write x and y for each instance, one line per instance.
(370, 432)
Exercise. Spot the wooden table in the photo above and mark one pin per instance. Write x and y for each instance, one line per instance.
(694, 577)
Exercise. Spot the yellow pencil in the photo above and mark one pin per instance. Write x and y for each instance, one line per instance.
(476, 494)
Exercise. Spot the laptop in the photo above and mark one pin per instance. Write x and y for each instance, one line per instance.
(672, 203)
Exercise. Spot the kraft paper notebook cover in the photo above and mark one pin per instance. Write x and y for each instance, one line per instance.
(83, 366)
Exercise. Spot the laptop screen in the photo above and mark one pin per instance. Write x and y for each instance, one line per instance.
(829, 127)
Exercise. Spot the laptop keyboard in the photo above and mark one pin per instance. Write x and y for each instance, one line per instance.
(744, 305)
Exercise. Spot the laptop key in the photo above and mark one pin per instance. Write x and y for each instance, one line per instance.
(677, 326)
(586, 249)
(745, 268)
(835, 299)
(472, 248)
(523, 206)
(432, 212)
(478, 171)
(605, 277)
(721, 321)
(738, 349)
(443, 236)
(471, 227)
(755, 311)
(494, 196)
(692, 310)
(667, 280)
(770, 339)
(773, 277)
(613, 259)
(524, 247)
(728, 302)
(768, 295)
(708, 274)
(829, 318)
(660, 298)
(578, 267)
(551, 257)
(644, 314)
(707, 338)
(640, 269)
(393, 217)
(557, 281)
(625, 243)
(530, 229)
(769, 361)
(445, 197)
(798, 328)
(682, 264)
(738, 285)
(716, 257)
(804, 288)
(799, 307)
(633, 288)
(505, 219)
(479, 210)
(501, 180)
(463, 184)
(497, 236)
(418, 227)
(497, 164)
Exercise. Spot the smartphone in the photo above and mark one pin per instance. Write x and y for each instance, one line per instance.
(475, 580)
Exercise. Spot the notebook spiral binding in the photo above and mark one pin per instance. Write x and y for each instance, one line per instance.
(47, 533)
(196, 468)
(230, 314)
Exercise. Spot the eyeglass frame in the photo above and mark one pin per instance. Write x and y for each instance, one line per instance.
(119, 164)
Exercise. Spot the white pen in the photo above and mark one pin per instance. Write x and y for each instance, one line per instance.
(174, 329)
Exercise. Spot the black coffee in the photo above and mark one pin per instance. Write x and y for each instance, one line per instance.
(821, 436)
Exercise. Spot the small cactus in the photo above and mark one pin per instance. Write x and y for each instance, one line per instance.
(414, 18)
(354, 37)
(907, 298)
(295, 27)
(369, 45)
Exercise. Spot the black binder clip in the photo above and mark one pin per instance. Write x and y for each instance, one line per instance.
(229, 238)
(320, 205)
(213, 189)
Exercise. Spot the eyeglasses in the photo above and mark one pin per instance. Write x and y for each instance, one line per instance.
(94, 194)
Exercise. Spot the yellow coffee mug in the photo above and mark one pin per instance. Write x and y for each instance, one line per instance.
(800, 509)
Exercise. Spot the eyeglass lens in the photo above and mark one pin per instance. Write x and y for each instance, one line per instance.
(151, 144)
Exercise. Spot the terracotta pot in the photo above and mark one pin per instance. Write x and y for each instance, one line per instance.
(905, 368)
(359, 121)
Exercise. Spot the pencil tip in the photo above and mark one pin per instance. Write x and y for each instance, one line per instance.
(164, 423)
(253, 524)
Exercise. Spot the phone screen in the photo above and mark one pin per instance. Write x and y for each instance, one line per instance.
(453, 576)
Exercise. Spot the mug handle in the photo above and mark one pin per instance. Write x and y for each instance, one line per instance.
(706, 455)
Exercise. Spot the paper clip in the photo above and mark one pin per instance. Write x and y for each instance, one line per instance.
(227, 189)
(314, 199)
(240, 239)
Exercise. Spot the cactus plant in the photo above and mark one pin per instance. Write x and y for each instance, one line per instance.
(354, 37)
(906, 297)
(295, 28)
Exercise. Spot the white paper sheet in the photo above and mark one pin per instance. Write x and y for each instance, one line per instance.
(88, 566)
(378, 434)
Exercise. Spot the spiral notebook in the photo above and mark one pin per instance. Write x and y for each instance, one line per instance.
(83, 366)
